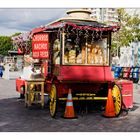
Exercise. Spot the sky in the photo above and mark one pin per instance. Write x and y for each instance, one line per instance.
(23, 20)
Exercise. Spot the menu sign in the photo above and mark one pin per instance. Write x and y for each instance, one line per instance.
(40, 46)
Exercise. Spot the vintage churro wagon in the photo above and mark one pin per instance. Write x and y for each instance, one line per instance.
(75, 54)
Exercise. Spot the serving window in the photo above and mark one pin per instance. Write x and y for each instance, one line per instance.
(85, 52)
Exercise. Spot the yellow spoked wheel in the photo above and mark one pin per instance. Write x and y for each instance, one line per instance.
(117, 97)
(31, 96)
(53, 101)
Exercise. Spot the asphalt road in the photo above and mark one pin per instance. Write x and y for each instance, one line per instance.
(14, 117)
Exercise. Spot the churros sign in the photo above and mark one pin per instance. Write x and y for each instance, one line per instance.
(40, 46)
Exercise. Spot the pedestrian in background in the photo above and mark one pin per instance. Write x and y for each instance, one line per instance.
(1, 71)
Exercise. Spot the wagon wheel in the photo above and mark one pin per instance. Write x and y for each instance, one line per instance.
(53, 101)
(32, 96)
(117, 97)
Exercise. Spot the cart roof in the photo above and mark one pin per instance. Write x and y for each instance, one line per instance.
(76, 24)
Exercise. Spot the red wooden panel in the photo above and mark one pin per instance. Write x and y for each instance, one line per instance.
(19, 83)
(127, 92)
(37, 30)
(86, 73)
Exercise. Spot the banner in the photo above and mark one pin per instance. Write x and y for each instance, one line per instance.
(40, 46)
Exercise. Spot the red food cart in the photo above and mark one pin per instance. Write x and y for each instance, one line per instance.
(75, 54)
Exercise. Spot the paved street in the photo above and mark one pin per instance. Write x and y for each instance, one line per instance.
(14, 117)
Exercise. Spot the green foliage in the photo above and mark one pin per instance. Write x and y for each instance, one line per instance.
(16, 34)
(129, 29)
(5, 45)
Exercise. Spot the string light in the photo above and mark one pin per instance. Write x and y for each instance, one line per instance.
(73, 32)
(80, 32)
(100, 36)
(77, 37)
(92, 35)
(67, 31)
(86, 33)
(58, 33)
(97, 34)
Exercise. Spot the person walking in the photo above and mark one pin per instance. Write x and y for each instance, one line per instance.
(1, 71)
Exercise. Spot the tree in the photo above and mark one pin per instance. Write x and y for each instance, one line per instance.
(16, 34)
(129, 30)
(5, 45)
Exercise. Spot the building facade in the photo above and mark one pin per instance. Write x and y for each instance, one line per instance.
(105, 15)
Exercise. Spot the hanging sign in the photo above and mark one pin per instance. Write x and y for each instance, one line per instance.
(40, 46)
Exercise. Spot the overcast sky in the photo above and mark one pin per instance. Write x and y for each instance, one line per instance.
(23, 20)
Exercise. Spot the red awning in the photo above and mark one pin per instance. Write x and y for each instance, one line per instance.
(37, 30)
(81, 25)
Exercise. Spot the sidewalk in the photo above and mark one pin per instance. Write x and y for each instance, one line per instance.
(7, 89)
(14, 117)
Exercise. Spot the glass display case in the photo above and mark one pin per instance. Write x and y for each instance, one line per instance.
(85, 53)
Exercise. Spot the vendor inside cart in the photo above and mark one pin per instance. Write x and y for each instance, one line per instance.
(56, 52)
